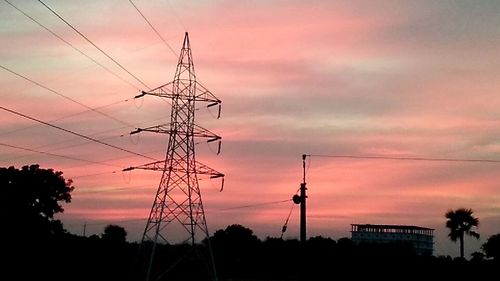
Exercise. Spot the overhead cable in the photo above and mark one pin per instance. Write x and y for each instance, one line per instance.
(64, 96)
(57, 155)
(71, 45)
(93, 44)
(75, 133)
(154, 29)
(381, 157)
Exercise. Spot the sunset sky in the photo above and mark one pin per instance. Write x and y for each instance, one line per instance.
(362, 78)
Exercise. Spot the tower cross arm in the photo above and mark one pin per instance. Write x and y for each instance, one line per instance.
(203, 169)
(199, 168)
(168, 128)
(203, 94)
(153, 166)
(163, 91)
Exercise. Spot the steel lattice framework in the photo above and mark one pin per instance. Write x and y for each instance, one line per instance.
(178, 198)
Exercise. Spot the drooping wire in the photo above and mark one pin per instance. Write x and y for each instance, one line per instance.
(406, 158)
(114, 222)
(237, 207)
(66, 117)
(59, 147)
(176, 15)
(255, 205)
(93, 44)
(81, 144)
(37, 148)
(112, 159)
(112, 189)
(58, 155)
(153, 28)
(75, 133)
(63, 96)
(97, 174)
(71, 45)
(283, 229)
(159, 35)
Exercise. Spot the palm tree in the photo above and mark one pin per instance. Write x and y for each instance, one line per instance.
(461, 222)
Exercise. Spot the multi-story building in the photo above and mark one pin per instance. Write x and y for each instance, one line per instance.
(421, 238)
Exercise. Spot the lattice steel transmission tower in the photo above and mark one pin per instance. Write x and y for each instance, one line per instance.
(177, 206)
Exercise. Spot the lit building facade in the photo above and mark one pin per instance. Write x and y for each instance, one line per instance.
(420, 237)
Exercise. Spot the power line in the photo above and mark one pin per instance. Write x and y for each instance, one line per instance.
(179, 20)
(159, 35)
(112, 172)
(62, 95)
(74, 133)
(237, 207)
(145, 219)
(93, 44)
(108, 222)
(67, 116)
(87, 56)
(58, 148)
(112, 159)
(112, 189)
(86, 38)
(153, 28)
(96, 174)
(71, 45)
(255, 205)
(285, 225)
(80, 144)
(58, 155)
(405, 158)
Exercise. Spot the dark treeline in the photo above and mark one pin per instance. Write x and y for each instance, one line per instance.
(35, 246)
(239, 255)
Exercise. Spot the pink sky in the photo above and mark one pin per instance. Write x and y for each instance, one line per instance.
(392, 78)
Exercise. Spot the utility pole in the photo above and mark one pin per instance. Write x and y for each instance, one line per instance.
(301, 199)
(177, 206)
(303, 228)
(303, 224)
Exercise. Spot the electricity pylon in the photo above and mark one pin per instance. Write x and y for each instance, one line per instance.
(177, 205)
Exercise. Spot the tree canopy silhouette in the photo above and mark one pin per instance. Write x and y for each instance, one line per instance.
(492, 247)
(29, 199)
(235, 238)
(114, 233)
(461, 222)
(236, 248)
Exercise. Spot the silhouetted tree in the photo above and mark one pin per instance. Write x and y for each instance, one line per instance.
(235, 247)
(461, 222)
(29, 199)
(114, 234)
(477, 257)
(236, 235)
(345, 245)
(492, 247)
